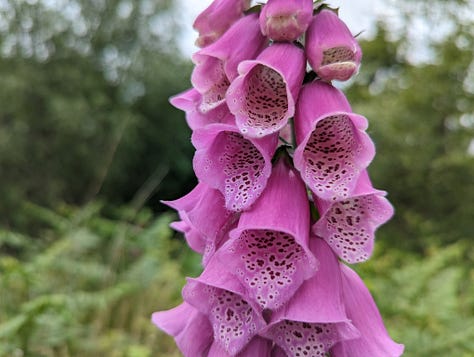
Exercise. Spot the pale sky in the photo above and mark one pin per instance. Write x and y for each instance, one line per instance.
(359, 16)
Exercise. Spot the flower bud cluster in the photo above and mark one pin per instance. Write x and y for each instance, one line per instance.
(284, 199)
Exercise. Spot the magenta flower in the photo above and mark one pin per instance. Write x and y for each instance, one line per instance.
(361, 309)
(257, 346)
(348, 226)
(204, 218)
(314, 320)
(331, 49)
(236, 166)
(268, 251)
(190, 328)
(263, 97)
(217, 18)
(190, 101)
(234, 318)
(284, 20)
(216, 64)
(333, 147)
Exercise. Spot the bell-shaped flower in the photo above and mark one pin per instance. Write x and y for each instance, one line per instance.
(361, 309)
(333, 147)
(283, 20)
(234, 318)
(263, 96)
(204, 218)
(331, 49)
(190, 328)
(348, 226)
(190, 101)
(268, 251)
(257, 346)
(236, 166)
(314, 320)
(216, 64)
(217, 18)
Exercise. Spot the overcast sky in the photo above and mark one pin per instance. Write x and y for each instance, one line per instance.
(359, 16)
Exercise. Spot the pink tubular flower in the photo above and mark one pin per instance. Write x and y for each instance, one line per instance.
(333, 147)
(190, 101)
(234, 318)
(257, 346)
(204, 218)
(189, 327)
(268, 251)
(216, 64)
(349, 226)
(217, 18)
(361, 309)
(263, 97)
(331, 49)
(284, 20)
(236, 166)
(314, 320)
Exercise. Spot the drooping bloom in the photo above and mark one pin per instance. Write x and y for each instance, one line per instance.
(190, 101)
(314, 320)
(332, 51)
(204, 218)
(348, 226)
(235, 319)
(361, 309)
(236, 166)
(190, 328)
(283, 20)
(263, 96)
(216, 64)
(217, 18)
(268, 251)
(333, 147)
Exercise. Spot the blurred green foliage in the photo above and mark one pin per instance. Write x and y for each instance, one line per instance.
(84, 119)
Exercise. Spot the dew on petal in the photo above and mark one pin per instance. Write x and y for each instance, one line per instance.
(303, 339)
(329, 157)
(266, 100)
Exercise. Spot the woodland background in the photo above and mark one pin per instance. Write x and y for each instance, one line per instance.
(89, 145)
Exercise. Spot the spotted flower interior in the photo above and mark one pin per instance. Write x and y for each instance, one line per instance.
(270, 131)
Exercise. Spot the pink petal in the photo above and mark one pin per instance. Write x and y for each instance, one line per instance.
(333, 147)
(236, 166)
(284, 20)
(234, 319)
(268, 251)
(314, 319)
(349, 226)
(331, 49)
(190, 101)
(263, 97)
(204, 218)
(361, 309)
(217, 18)
(190, 329)
(256, 347)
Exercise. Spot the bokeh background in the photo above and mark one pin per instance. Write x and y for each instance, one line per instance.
(89, 145)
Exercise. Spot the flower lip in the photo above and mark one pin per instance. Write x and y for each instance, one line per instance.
(332, 51)
(236, 166)
(263, 96)
(333, 147)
